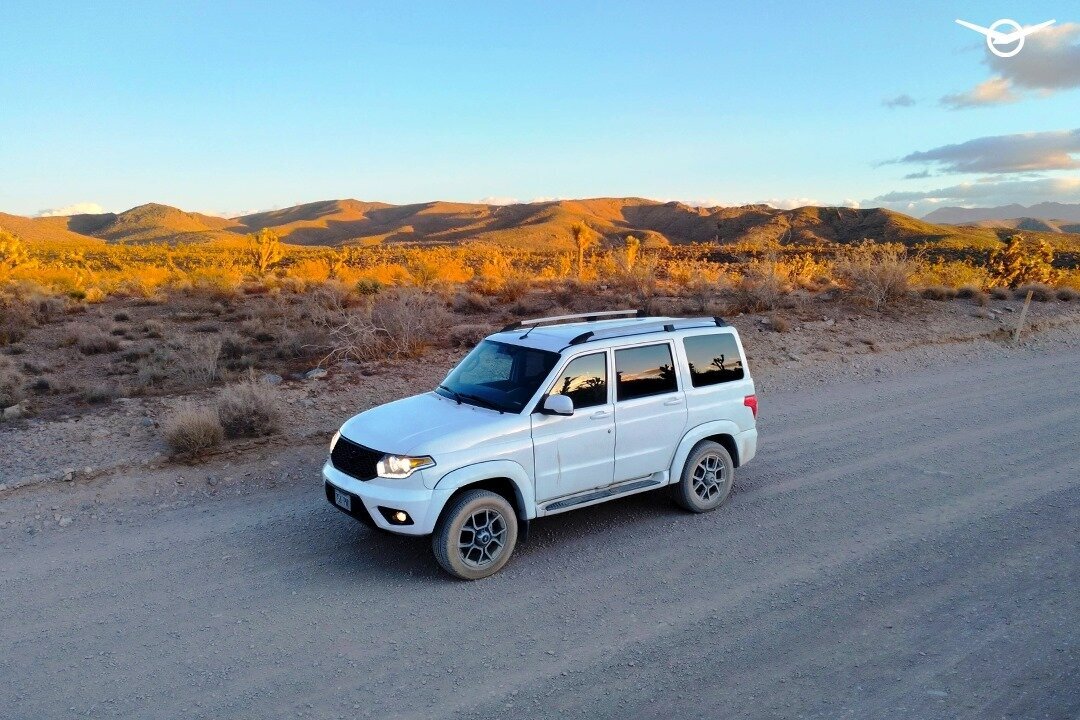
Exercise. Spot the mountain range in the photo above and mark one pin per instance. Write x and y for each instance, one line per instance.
(525, 225)
(1042, 217)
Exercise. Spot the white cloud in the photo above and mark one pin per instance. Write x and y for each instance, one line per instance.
(995, 91)
(1050, 59)
(789, 203)
(82, 208)
(1021, 153)
(1048, 62)
(498, 200)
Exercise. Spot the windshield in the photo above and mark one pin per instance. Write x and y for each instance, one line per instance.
(498, 375)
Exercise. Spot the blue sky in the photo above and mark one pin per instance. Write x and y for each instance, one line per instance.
(235, 107)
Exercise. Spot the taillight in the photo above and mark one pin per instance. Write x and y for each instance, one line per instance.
(750, 401)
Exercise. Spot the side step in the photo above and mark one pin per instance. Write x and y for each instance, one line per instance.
(604, 492)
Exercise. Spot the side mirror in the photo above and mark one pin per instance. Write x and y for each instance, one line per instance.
(558, 405)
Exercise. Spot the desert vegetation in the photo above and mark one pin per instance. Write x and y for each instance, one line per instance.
(85, 325)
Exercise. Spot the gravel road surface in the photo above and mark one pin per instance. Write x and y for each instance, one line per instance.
(903, 547)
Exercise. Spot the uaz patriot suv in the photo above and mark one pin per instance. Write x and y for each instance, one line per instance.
(545, 416)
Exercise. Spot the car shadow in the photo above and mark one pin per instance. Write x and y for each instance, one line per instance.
(345, 550)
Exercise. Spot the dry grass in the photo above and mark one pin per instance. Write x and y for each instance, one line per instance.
(398, 325)
(1040, 292)
(12, 384)
(90, 339)
(191, 431)
(877, 273)
(249, 409)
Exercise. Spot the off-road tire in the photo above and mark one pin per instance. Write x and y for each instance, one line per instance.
(452, 531)
(706, 479)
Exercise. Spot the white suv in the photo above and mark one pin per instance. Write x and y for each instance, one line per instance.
(546, 416)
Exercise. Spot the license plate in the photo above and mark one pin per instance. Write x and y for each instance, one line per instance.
(343, 500)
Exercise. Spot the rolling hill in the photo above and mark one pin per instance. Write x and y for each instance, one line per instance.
(525, 225)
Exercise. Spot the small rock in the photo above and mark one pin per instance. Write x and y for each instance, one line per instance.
(69, 475)
(3, 487)
(272, 379)
(64, 521)
(12, 413)
(315, 374)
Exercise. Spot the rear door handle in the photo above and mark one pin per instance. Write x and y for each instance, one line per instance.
(673, 401)
(600, 414)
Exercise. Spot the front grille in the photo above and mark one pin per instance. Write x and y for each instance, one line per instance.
(355, 460)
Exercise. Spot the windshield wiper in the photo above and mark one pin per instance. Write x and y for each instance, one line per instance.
(455, 393)
(481, 401)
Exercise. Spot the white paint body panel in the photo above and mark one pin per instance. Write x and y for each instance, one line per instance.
(548, 457)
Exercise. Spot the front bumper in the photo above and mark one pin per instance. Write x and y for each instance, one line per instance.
(418, 502)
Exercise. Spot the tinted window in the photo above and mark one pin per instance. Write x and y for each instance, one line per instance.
(643, 371)
(499, 375)
(713, 359)
(584, 381)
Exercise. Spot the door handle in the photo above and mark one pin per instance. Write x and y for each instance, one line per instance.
(673, 401)
(600, 415)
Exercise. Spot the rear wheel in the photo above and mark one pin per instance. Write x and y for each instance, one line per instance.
(476, 535)
(706, 479)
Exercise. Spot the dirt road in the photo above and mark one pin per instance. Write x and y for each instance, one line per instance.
(904, 546)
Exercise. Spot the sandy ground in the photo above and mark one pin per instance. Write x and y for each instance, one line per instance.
(904, 546)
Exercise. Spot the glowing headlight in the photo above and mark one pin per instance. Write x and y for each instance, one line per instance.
(333, 440)
(399, 466)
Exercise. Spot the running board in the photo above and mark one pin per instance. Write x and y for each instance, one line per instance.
(607, 492)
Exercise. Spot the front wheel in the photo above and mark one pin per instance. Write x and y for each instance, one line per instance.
(476, 535)
(706, 479)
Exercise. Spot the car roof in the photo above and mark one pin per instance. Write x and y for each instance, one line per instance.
(557, 338)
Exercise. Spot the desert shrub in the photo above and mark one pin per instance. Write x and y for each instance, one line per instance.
(16, 319)
(760, 288)
(999, 293)
(197, 364)
(249, 409)
(640, 280)
(938, 292)
(1067, 294)
(12, 384)
(90, 339)
(469, 303)
(368, 286)
(973, 292)
(400, 324)
(121, 317)
(191, 431)
(880, 273)
(1023, 262)
(1039, 292)
(100, 393)
(779, 323)
(468, 334)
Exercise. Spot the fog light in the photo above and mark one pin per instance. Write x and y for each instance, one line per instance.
(395, 516)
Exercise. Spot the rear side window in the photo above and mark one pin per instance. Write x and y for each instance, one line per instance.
(644, 371)
(584, 381)
(713, 359)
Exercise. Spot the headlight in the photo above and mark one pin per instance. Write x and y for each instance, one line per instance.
(399, 466)
(333, 440)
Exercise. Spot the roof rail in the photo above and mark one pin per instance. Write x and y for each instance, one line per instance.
(670, 325)
(586, 317)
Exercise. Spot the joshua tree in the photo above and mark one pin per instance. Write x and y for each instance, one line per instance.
(265, 250)
(584, 238)
(1021, 262)
(12, 252)
(633, 247)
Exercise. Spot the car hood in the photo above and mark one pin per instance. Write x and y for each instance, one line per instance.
(429, 423)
